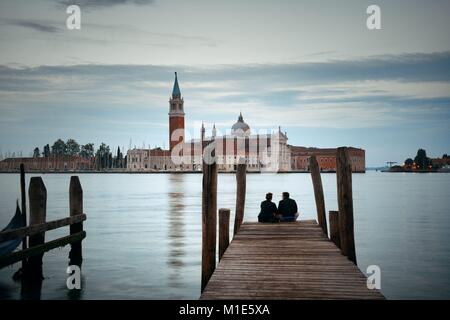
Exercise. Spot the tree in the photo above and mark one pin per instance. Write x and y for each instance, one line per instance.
(72, 148)
(46, 152)
(409, 162)
(118, 160)
(421, 159)
(59, 148)
(102, 156)
(87, 150)
(36, 153)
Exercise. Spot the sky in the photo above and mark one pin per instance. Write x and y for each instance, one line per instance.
(311, 67)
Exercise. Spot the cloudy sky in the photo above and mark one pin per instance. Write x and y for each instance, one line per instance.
(311, 67)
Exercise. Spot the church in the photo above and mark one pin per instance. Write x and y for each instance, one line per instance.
(267, 152)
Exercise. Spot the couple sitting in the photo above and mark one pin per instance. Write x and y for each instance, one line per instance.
(287, 209)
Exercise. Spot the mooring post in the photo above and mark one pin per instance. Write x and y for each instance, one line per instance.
(224, 231)
(76, 208)
(318, 193)
(23, 208)
(37, 194)
(209, 222)
(241, 182)
(345, 201)
(334, 227)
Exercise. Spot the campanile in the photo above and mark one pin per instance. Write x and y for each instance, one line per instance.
(176, 116)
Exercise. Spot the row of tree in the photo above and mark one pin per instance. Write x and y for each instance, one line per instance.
(104, 159)
(421, 161)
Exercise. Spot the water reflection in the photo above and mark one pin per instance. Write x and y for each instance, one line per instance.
(176, 229)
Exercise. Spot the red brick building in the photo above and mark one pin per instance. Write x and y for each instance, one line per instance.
(326, 158)
(48, 164)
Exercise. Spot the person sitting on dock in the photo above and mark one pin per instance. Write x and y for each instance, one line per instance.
(268, 210)
(287, 209)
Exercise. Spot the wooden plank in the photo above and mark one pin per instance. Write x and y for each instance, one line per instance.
(318, 193)
(345, 203)
(40, 249)
(41, 227)
(241, 185)
(37, 193)
(286, 261)
(23, 208)
(76, 209)
(224, 231)
(209, 221)
(334, 228)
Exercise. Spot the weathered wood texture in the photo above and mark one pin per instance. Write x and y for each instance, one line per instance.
(37, 193)
(286, 261)
(40, 249)
(224, 231)
(209, 221)
(345, 203)
(241, 182)
(318, 193)
(23, 205)
(334, 228)
(76, 209)
(39, 228)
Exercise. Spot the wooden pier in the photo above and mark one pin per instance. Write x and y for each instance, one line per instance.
(286, 261)
(293, 260)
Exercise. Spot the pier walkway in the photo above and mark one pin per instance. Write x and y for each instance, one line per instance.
(286, 261)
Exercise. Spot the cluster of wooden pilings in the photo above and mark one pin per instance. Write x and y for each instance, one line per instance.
(34, 245)
(209, 217)
(341, 222)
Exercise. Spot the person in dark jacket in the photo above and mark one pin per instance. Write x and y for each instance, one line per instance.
(287, 209)
(268, 210)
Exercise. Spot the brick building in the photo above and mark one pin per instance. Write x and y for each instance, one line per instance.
(48, 164)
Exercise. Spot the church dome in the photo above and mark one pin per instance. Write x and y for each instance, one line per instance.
(240, 127)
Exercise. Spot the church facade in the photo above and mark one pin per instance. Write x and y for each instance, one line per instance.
(262, 152)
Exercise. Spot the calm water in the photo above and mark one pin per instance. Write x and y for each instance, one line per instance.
(144, 231)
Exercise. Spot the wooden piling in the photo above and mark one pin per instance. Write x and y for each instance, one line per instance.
(318, 193)
(333, 217)
(76, 208)
(37, 194)
(23, 208)
(224, 231)
(345, 201)
(209, 221)
(241, 182)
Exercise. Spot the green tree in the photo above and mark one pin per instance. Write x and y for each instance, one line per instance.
(72, 148)
(46, 152)
(36, 153)
(59, 148)
(102, 156)
(87, 150)
(421, 159)
(409, 162)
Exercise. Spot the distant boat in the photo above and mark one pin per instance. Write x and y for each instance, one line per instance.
(8, 246)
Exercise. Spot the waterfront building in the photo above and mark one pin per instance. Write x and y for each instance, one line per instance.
(262, 152)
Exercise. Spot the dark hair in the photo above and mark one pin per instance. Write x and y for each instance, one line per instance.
(285, 195)
(268, 196)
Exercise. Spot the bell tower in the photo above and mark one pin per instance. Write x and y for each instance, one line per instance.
(176, 116)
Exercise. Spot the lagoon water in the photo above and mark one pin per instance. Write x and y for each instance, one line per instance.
(144, 230)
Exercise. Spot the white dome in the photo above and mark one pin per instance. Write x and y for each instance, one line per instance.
(240, 127)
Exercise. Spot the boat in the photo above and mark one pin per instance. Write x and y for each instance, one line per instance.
(9, 246)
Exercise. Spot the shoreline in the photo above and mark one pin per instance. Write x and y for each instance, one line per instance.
(157, 172)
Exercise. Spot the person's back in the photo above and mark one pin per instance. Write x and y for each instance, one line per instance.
(287, 208)
(268, 210)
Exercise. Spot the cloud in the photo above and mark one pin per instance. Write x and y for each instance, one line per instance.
(371, 92)
(34, 25)
(102, 3)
